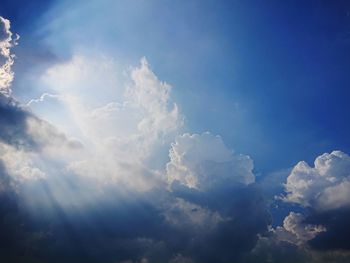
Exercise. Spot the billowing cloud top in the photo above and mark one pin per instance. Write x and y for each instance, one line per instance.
(201, 161)
(324, 186)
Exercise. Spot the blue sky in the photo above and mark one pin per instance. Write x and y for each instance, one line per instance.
(273, 77)
(270, 78)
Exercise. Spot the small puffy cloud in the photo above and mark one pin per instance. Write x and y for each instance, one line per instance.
(6, 58)
(296, 231)
(325, 186)
(202, 160)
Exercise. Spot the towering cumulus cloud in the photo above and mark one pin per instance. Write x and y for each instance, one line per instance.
(138, 191)
(136, 185)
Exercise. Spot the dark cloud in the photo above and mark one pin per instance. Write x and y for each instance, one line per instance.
(121, 225)
(337, 235)
(269, 250)
(22, 129)
(15, 242)
(13, 121)
(246, 214)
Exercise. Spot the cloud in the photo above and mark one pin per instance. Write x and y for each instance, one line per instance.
(320, 231)
(216, 199)
(185, 214)
(128, 194)
(42, 98)
(13, 120)
(22, 129)
(296, 231)
(145, 200)
(325, 186)
(288, 243)
(202, 160)
(6, 58)
(128, 139)
(153, 96)
(269, 249)
(20, 165)
(181, 259)
(324, 190)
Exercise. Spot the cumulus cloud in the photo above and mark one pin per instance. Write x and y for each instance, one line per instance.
(288, 243)
(296, 231)
(127, 141)
(124, 196)
(320, 232)
(325, 186)
(202, 160)
(324, 191)
(125, 171)
(6, 58)
(216, 199)
(153, 96)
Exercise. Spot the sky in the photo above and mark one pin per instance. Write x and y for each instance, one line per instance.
(174, 131)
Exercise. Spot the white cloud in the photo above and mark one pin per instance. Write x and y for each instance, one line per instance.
(6, 58)
(21, 165)
(124, 140)
(202, 160)
(144, 119)
(324, 186)
(153, 96)
(42, 98)
(295, 231)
